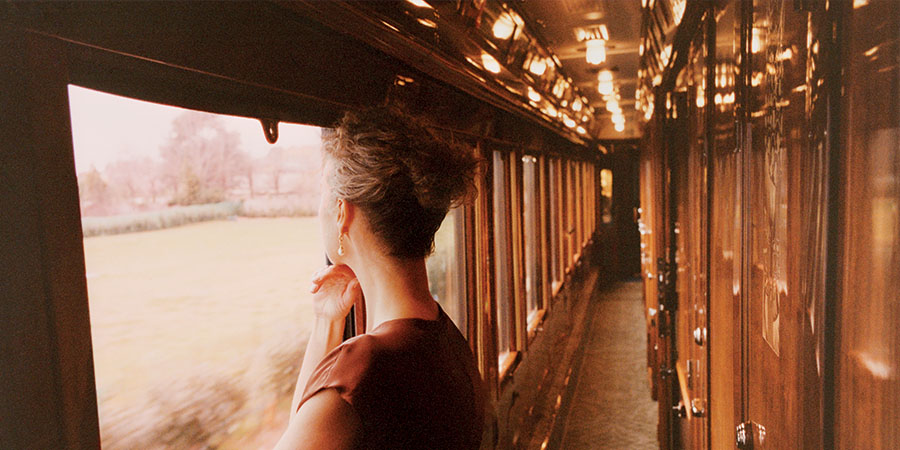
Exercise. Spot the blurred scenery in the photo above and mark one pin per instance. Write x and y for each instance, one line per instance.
(200, 239)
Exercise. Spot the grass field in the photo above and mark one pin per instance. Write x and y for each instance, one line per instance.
(198, 330)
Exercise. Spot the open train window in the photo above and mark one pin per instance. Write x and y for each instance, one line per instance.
(200, 238)
(606, 185)
(447, 270)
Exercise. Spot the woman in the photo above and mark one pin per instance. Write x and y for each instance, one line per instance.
(410, 381)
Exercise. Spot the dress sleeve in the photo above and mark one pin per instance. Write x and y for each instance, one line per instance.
(341, 369)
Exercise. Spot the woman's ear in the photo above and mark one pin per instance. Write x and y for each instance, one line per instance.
(345, 213)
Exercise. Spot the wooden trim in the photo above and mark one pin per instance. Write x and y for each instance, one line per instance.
(486, 305)
(62, 249)
(557, 287)
(507, 364)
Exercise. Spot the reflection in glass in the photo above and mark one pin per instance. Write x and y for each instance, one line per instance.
(446, 268)
(531, 226)
(606, 185)
(501, 256)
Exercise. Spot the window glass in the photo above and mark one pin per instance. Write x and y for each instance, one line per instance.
(502, 268)
(530, 229)
(606, 195)
(200, 240)
(554, 220)
(446, 268)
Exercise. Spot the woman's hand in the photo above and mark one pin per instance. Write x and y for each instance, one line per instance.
(335, 289)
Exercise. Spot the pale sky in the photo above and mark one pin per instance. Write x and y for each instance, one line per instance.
(108, 127)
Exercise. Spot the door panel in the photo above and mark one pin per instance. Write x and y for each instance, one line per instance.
(784, 277)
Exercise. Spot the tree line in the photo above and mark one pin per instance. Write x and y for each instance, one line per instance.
(201, 162)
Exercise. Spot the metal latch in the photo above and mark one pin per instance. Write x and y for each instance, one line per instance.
(750, 435)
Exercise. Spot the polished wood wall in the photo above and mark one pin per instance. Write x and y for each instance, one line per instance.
(779, 163)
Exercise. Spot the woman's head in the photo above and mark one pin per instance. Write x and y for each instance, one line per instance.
(401, 176)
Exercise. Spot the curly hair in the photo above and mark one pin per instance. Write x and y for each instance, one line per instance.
(400, 174)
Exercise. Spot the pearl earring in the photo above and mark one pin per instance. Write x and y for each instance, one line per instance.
(341, 244)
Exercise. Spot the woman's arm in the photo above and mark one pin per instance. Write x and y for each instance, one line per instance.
(325, 336)
(335, 289)
(325, 421)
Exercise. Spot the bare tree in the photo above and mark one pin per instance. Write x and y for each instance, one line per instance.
(202, 160)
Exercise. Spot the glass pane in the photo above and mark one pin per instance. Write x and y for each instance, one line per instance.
(447, 266)
(554, 219)
(501, 254)
(606, 185)
(530, 228)
(200, 239)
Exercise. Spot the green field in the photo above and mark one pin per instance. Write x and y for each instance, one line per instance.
(188, 319)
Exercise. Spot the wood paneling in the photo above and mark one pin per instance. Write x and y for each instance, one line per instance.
(867, 347)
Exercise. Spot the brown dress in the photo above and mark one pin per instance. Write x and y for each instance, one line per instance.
(413, 383)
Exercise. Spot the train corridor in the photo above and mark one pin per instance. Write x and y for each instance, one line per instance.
(609, 404)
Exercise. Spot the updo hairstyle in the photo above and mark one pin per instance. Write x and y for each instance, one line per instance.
(400, 174)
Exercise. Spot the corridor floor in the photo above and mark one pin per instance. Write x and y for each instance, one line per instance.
(610, 407)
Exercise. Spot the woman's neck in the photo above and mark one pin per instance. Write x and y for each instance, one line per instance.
(394, 289)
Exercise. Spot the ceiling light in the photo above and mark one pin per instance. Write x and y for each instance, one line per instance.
(620, 127)
(533, 95)
(576, 105)
(419, 3)
(489, 63)
(605, 87)
(504, 26)
(612, 105)
(580, 129)
(427, 23)
(568, 121)
(605, 75)
(596, 51)
(618, 118)
(537, 66)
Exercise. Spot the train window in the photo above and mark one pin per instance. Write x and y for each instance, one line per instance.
(554, 224)
(530, 230)
(446, 268)
(199, 242)
(606, 185)
(502, 249)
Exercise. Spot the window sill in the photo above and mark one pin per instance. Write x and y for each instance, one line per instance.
(534, 323)
(507, 361)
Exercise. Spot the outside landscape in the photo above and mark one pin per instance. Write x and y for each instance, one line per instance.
(200, 240)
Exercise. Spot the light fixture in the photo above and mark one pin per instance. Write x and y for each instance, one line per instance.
(533, 95)
(427, 23)
(568, 121)
(580, 129)
(618, 117)
(419, 3)
(537, 66)
(605, 75)
(605, 87)
(620, 127)
(612, 105)
(507, 24)
(489, 63)
(576, 105)
(596, 51)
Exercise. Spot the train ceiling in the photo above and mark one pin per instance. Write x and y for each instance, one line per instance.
(527, 57)
(568, 25)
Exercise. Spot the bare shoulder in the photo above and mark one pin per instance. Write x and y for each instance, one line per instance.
(325, 421)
